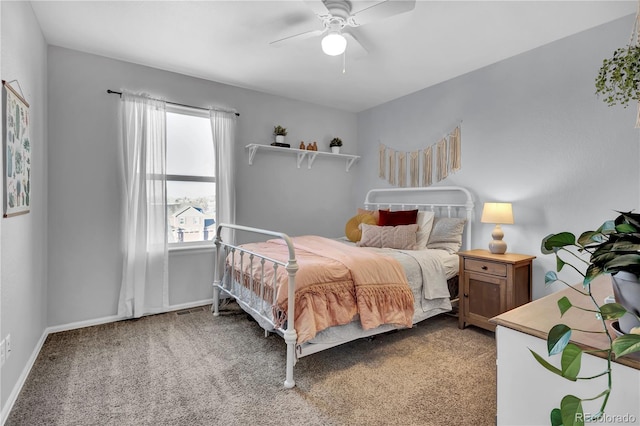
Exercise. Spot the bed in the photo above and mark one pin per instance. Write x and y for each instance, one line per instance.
(396, 266)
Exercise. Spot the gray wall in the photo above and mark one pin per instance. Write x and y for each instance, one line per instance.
(533, 133)
(84, 179)
(23, 242)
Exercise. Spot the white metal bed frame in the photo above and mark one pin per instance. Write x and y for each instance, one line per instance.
(255, 304)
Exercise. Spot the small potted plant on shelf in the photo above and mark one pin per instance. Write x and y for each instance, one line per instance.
(614, 249)
(335, 145)
(280, 132)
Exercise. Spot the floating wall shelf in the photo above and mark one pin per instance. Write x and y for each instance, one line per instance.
(300, 154)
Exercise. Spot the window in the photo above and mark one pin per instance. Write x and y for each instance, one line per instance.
(191, 187)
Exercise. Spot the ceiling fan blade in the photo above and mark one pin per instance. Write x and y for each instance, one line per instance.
(355, 49)
(318, 7)
(381, 11)
(300, 36)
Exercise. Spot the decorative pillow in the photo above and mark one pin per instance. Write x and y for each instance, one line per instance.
(397, 237)
(352, 229)
(373, 212)
(398, 217)
(446, 234)
(425, 223)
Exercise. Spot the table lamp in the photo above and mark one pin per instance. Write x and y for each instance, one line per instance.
(498, 213)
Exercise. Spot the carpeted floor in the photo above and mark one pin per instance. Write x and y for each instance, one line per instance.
(194, 369)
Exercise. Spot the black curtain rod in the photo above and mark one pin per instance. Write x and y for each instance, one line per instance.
(172, 103)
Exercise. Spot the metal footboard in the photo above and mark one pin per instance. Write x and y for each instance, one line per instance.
(252, 295)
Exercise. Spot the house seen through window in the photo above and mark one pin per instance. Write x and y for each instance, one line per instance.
(191, 181)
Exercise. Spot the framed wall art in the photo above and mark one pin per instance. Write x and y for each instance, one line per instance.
(17, 153)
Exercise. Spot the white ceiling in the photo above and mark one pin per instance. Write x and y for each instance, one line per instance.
(228, 41)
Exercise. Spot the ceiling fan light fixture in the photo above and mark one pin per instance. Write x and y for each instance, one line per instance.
(334, 44)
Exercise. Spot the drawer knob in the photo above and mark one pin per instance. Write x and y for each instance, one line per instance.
(466, 295)
(484, 267)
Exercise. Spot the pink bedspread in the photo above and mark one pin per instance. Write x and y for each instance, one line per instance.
(334, 283)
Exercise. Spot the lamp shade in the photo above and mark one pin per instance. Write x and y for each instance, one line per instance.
(499, 213)
(334, 44)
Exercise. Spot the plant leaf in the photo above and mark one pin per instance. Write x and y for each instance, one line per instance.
(612, 311)
(593, 271)
(623, 261)
(630, 218)
(628, 243)
(552, 242)
(626, 344)
(590, 237)
(558, 338)
(571, 361)
(564, 304)
(546, 364)
(544, 248)
(556, 417)
(571, 411)
(609, 227)
(550, 277)
(626, 228)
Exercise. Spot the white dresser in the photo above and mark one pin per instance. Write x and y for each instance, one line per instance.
(527, 392)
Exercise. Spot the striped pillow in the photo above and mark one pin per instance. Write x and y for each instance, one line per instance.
(396, 237)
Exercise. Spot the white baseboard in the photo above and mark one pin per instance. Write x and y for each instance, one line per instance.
(23, 378)
(72, 326)
(114, 318)
(83, 324)
(190, 305)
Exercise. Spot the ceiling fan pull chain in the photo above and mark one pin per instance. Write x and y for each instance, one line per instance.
(344, 62)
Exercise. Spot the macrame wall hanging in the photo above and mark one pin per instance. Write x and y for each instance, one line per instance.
(414, 167)
(392, 164)
(441, 157)
(427, 166)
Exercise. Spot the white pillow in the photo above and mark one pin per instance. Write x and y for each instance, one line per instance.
(397, 237)
(425, 223)
(446, 234)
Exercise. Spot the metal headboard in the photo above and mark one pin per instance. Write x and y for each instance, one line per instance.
(444, 201)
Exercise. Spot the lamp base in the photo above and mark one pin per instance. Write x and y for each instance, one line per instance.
(498, 247)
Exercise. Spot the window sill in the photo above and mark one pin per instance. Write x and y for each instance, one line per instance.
(205, 246)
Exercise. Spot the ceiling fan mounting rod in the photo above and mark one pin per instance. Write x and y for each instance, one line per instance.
(339, 8)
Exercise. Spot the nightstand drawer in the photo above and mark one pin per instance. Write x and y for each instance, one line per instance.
(498, 269)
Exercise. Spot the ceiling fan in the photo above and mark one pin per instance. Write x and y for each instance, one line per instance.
(338, 18)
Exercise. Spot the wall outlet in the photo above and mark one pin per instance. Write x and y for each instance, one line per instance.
(8, 344)
(3, 353)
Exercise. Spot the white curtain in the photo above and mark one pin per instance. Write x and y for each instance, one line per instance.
(144, 276)
(223, 127)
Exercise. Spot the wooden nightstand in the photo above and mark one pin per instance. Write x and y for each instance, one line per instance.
(492, 284)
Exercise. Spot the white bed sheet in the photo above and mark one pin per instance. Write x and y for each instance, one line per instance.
(450, 261)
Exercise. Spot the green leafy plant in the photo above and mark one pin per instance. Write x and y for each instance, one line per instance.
(279, 131)
(335, 142)
(619, 77)
(613, 247)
